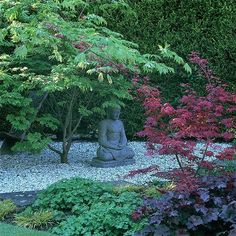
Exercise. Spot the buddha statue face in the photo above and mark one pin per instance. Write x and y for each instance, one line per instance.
(113, 113)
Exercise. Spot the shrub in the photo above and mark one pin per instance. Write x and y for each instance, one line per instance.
(84, 207)
(110, 215)
(209, 210)
(6, 207)
(197, 119)
(66, 194)
(186, 25)
(36, 219)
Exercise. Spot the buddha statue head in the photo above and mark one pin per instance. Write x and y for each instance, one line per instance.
(113, 113)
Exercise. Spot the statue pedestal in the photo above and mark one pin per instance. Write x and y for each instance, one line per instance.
(109, 164)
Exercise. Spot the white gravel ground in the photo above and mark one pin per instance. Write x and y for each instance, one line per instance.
(25, 172)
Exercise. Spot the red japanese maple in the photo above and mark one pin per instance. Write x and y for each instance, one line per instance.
(197, 119)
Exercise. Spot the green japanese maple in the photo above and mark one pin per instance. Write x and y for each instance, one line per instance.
(68, 57)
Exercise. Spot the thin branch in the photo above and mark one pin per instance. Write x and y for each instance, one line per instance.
(78, 123)
(37, 111)
(56, 109)
(82, 11)
(67, 127)
(10, 135)
(203, 157)
(179, 162)
(54, 149)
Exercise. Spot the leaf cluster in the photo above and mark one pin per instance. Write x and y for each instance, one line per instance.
(30, 219)
(84, 207)
(6, 207)
(207, 210)
(198, 118)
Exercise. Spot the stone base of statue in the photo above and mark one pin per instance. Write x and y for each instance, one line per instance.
(109, 164)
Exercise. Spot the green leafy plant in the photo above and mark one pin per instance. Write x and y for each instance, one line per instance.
(110, 215)
(129, 188)
(148, 191)
(84, 207)
(65, 194)
(6, 207)
(36, 219)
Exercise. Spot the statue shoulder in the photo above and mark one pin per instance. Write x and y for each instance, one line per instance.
(120, 122)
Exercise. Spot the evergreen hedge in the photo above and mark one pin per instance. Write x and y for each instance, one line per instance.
(206, 26)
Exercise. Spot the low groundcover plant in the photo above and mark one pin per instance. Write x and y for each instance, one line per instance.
(208, 210)
(84, 207)
(6, 207)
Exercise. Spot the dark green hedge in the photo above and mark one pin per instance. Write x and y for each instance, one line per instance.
(206, 26)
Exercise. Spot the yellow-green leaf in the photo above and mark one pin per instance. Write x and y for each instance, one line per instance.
(100, 77)
(109, 79)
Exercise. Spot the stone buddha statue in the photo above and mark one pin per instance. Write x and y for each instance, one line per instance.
(113, 149)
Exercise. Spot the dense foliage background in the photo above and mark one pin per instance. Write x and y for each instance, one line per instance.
(205, 26)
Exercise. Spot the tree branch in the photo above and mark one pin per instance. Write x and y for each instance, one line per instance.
(54, 149)
(78, 123)
(203, 157)
(37, 111)
(179, 162)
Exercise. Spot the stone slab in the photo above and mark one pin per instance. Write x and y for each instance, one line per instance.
(109, 164)
(20, 198)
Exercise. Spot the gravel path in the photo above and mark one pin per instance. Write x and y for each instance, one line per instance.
(26, 172)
